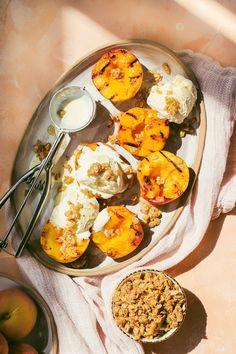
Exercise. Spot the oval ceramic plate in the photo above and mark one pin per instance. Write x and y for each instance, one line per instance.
(43, 336)
(190, 148)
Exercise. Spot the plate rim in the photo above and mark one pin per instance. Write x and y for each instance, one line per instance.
(196, 165)
(36, 295)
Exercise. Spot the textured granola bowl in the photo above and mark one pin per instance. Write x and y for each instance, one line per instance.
(149, 306)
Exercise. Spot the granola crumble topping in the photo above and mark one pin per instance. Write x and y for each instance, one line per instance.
(68, 243)
(148, 304)
(88, 193)
(41, 150)
(74, 212)
(109, 233)
(102, 169)
(68, 167)
(51, 130)
(157, 76)
(61, 189)
(61, 113)
(172, 105)
(158, 91)
(167, 68)
(160, 180)
(67, 237)
(117, 73)
(56, 176)
(68, 179)
(151, 214)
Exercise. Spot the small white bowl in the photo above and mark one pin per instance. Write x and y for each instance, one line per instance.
(68, 94)
(162, 336)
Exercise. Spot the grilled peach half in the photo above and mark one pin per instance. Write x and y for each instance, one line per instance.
(141, 132)
(118, 75)
(121, 234)
(62, 245)
(163, 177)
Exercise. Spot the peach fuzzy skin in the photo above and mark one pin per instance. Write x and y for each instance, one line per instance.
(163, 177)
(18, 313)
(50, 242)
(124, 242)
(22, 348)
(141, 132)
(118, 75)
(3, 345)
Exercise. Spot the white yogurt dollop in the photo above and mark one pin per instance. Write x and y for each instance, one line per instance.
(173, 100)
(110, 181)
(102, 218)
(89, 209)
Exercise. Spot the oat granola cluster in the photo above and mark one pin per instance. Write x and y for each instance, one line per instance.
(148, 304)
(41, 150)
(157, 76)
(66, 238)
(151, 214)
(117, 73)
(104, 169)
(166, 68)
(67, 241)
(172, 105)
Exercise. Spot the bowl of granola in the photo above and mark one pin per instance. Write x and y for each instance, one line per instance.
(149, 306)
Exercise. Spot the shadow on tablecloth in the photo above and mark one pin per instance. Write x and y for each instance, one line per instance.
(189, 335)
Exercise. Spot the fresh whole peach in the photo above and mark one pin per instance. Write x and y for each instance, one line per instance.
(22, 348)
(18, 313)
(3, 345)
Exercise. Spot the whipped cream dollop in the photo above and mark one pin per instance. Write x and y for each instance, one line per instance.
(102, 218)
(73, 205)
(174, 99)
(102, 171)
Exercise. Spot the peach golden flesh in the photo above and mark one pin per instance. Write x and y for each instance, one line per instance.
(118, 75)
(117, 231)
(163, 177)
(142, 132)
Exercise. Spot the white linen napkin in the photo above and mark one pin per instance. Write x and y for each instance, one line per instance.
(81, 306)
